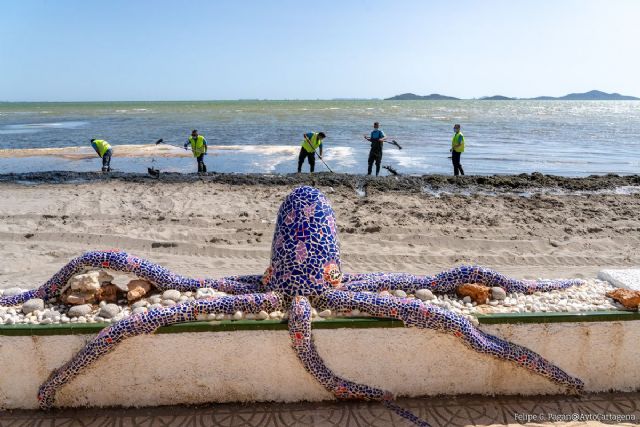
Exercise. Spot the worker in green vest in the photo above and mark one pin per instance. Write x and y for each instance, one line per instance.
(312, 142)
(104, 150)
(198, 148)
(457, 148)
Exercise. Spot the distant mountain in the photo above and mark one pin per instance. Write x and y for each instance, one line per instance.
(497, 98)
(592, 95)
(414, 97)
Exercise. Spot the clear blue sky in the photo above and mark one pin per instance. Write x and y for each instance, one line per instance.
(68, 50)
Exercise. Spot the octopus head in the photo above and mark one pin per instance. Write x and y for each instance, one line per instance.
(305, 254)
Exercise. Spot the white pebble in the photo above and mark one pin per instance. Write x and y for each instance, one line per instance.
(424, 294)
(237, 315)
(140, 310)
(171, 294)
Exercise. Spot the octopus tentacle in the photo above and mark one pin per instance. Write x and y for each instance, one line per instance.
(146, 323)
(413, 313)
(447, 281)
(300, 333)
(253, 280)
(116, 260)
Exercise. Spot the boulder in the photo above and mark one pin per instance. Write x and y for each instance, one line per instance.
(137, 289)
(478, 293)
(79, 310)
(108, 293)
(32, 305)
(498, 293)
(424, 294)
(109, 310)
(626, 297)
(104, 277)
(171, 294)
(87, 282)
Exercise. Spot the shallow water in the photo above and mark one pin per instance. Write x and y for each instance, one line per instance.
(571, 138)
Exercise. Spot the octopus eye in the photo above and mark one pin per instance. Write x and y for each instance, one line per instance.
(332, 274)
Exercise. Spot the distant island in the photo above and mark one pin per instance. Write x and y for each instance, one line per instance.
(497, 98)
(592, 95)
(413, 96)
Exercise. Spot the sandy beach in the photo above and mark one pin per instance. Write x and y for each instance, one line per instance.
(222, 224)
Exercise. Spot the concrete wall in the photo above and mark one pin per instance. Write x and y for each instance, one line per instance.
(261, 366)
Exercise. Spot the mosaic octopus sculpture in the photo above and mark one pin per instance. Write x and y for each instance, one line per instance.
(305, 271)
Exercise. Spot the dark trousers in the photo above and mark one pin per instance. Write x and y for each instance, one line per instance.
(455, 159)
(374, 156)
(106, 160)
(201, 166)
(304, 154)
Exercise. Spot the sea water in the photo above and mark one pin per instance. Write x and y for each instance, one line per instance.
(570, 138)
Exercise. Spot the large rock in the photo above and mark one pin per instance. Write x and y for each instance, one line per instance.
(478, 293)
(498, 293)
(108, 293)
(87, 282)
(80, 310)
(109, 310)
(626, 297)
(32, 305)
(171, 294)
(137, 289)
(424, 294)
(78, 298)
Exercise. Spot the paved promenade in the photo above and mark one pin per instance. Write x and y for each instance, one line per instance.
(594, 409)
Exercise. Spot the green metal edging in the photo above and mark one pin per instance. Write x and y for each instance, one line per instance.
(200, 326)
(353, 323)
(555, 317)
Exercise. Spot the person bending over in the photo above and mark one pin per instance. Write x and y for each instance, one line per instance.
(103, 148)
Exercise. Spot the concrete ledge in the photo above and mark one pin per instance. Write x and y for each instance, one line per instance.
(237, 365)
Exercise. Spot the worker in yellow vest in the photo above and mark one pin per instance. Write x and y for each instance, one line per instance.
(104, 150)
(457, 148)
(312, 142)
(198, 148)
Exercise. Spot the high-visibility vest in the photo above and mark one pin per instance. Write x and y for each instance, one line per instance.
(102, 146)
(315, 143)
(454, 141)
(197, 145)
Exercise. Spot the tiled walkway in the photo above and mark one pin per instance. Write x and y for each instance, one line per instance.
(461, 411)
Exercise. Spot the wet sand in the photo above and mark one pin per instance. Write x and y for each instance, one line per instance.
(222, 224)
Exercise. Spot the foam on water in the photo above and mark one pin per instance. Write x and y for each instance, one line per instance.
(39, 127)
